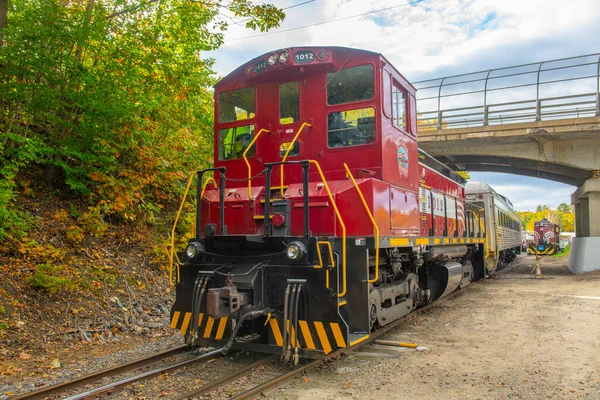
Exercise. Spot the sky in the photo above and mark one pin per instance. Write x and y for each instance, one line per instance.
(433, 38)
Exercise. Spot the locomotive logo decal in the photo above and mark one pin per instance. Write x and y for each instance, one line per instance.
(402, 160)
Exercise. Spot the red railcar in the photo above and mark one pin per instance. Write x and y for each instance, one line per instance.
(325, 222)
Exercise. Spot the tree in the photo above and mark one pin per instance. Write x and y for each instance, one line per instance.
(110, 99)
(464, 174)
(563, 215)
(564, 208)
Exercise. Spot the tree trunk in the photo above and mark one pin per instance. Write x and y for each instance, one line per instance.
(3, 20)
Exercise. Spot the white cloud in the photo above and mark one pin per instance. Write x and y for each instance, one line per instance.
(436, 38)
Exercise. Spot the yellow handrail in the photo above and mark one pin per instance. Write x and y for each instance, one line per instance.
(248, 164)
(321, 265)
(170, 247)
(290, 147)
(487, 252)
(362, 199)
(339, 217)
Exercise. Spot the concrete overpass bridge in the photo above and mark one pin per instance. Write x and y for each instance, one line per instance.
(539, 119)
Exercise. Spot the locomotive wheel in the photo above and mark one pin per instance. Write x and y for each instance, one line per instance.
(372, 313)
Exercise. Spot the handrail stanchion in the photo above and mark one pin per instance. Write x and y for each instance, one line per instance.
(364, 203)
(199, 175)
(305, 167)
(222, 200)
(248, 163)
(267, 207)
(287, 152)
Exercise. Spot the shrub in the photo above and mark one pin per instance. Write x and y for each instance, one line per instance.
(47, 279)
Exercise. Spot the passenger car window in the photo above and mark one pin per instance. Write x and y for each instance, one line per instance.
(285, 146)
(237, 105)
(233, 142)
(351, 127)
(289, 102)
(398, 106)
(350, 84)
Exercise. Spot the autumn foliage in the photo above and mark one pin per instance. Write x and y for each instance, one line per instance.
(105, 109)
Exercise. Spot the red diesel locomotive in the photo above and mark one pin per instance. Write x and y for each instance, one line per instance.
(324, 221)
(546, 238)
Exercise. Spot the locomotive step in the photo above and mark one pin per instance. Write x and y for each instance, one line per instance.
(262, 201)
(262, 217)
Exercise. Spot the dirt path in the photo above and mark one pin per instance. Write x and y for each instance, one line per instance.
(511, 336)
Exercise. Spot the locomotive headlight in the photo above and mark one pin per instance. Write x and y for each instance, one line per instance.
(284, 57)
(194, 249)
(295, 250)
(272, 59)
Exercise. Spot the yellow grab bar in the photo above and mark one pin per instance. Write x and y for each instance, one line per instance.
(287, 152)
(487, 252)
(170, 247)
(339, 217)
(362, 199)
(208, 180)
(248, 164)
(319, 243)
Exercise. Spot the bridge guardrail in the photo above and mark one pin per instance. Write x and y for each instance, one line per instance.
(572, 85)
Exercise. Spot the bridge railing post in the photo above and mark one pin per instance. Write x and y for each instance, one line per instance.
(538, 110)
(439, 120)
(597, 104)
(486, 113)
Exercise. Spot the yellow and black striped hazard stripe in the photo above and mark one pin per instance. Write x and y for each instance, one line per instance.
(206, 328)
(314, 335)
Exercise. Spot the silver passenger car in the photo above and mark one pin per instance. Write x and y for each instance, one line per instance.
(502, 224)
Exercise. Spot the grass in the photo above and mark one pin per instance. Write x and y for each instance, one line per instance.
(564, 253)
(47, 279)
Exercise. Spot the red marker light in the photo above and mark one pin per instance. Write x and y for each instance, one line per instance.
(278, 219)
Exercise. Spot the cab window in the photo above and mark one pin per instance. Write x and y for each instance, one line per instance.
(289, 102)
(234, 141)
(351, 127)
(398, 106)
(350, 84)
(237, 105)
(283, 148)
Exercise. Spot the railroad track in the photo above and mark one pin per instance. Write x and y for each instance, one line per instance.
(284, 377)
(69, 386)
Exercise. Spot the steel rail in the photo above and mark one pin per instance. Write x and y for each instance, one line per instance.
(227, 379)
(119, 369)
(127, 381)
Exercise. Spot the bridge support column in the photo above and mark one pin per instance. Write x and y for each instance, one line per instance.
(585, 247)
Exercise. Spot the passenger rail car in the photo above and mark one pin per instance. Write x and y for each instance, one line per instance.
(324, 222)
(546, 237)
(504, 224)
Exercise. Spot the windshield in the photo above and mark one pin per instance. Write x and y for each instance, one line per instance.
(234, 141)
(350, 84)
(237, 105)
(289, 102)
